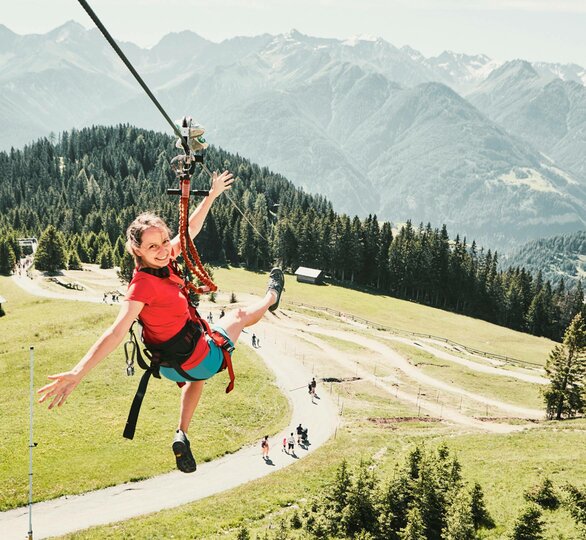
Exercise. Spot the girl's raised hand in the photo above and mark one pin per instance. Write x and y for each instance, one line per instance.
(221, 182)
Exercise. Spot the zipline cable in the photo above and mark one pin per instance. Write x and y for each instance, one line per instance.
(144, 86)
(122, 56)
(236, 206)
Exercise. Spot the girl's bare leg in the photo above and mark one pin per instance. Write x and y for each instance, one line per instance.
(190, 395)
(236, 320)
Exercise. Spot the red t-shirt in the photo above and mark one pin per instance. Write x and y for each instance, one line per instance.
(165, 310)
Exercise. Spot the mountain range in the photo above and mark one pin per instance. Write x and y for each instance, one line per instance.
(493, 150)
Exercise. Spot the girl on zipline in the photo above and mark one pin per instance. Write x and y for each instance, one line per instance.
(182, 345)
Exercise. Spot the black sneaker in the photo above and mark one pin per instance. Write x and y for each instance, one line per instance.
(183, 456)
(277, 284)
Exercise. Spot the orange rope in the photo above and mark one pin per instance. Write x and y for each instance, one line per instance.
(188, 249)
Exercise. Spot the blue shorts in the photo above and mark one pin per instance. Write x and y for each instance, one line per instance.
(208, 367)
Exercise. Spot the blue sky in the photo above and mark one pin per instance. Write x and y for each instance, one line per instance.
(548, 30)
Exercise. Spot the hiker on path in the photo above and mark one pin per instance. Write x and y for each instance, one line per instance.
(299, 433)
(265, 447)
(291, 444)
(253, 340)
(157, 297)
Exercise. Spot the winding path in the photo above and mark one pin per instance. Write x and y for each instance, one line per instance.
(72, 513)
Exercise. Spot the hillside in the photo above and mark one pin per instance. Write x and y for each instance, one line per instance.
(86, 187)
(557, 257)
(406, 392)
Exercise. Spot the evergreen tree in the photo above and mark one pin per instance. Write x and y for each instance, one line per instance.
(414, 529)
(127, 266)
(394, 505)
(529, 525)
(480, 516)
(243, 534)
(543, 495)
(566, 369)
(74, 262)
(575, 502)
(459, 519)
(105, 259)
(51, 252)
(359, 513)
(7, 258)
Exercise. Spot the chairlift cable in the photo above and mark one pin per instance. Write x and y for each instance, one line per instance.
(144, 86)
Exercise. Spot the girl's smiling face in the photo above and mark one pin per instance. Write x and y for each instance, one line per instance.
(155, 248)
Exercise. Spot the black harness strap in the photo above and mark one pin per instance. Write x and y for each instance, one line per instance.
(153, 369)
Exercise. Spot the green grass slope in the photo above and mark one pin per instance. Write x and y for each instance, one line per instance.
(400, 314)
(375, 425)
(80, 445)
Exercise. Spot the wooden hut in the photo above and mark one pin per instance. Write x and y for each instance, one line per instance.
(309, 275)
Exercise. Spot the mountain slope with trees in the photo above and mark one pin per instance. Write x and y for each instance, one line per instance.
(373, 128)
(559, 258)
(90, 184)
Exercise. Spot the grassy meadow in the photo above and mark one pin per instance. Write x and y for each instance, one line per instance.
(505, 466)
(375, 425)
(87, 429)
(400, 314)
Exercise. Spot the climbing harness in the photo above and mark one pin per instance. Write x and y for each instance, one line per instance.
(191, 341)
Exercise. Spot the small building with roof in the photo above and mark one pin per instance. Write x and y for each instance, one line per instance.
(310, 275)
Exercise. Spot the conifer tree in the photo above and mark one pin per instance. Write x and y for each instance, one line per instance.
(459, 519)
(543, 495)
(243, 534)
(74, 262)
(575, 502)
(105, 259)
(51, 252)
(359, 513)
(529, 525)
(415, 528)
(7, 258)
(566, 369)
(480, 516)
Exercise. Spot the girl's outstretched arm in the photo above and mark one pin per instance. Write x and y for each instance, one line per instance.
(220, 183)
(64, 383)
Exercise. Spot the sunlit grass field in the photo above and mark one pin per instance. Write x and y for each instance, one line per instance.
(400, 314)
(505, 465)
(80, 446)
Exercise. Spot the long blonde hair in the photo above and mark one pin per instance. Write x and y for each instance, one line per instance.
(144, 221)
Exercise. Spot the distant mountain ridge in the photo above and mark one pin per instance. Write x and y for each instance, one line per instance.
(456, 139)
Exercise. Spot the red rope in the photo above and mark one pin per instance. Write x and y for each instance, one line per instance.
(188, 249)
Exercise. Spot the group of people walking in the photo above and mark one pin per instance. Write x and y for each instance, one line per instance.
(298, 437)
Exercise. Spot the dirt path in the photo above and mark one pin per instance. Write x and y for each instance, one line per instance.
(397, 361)
(476, 366)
